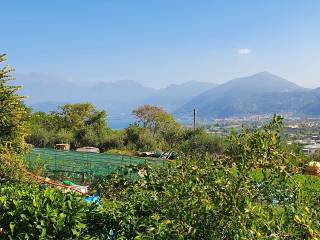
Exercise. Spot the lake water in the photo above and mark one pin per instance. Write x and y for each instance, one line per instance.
(124, 123)
(120, 124)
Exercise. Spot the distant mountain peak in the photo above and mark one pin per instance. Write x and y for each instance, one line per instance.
(268, 75)
(242, 95)
(264, 73)
(264, 82)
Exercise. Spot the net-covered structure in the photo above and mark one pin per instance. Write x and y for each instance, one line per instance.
(82, 163)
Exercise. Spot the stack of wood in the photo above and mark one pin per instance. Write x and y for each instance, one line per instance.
(313, 168)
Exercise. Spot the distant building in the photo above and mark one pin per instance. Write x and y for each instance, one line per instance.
(310, 149)
(88, 149)
(302, 142)
(63, 146)
(293, 126)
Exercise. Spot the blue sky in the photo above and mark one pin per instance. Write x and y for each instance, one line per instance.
(161, 42)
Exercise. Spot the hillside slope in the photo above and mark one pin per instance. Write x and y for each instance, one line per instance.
(262, 93)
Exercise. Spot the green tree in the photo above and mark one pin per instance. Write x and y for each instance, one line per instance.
(77, 124)
(138, 138)
(200, 142)
(88, 124)
(64, 136)
(40, 137)
(50, 121)
(80, 115)
(45, 129)
(253, 194)
(13, 113)
(161, 124)
(13, 126)
(113, 140)
(154, 118)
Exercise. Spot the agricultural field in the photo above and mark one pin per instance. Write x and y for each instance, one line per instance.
(81, 163)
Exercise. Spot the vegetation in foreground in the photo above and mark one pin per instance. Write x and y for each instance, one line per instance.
(256, 191)
(83, 125)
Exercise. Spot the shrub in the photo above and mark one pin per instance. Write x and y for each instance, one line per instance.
(13, 126)
(14, 115)
(315, 156)
(41, 137)
(114, 140)
(140, 139)
(121, 152)
(30, 212)
(11, 167)
(64, 136)
(201, 142)
(253, 194)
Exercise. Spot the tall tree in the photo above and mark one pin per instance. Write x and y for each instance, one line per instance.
(88, 124)
(13, 113)
(80, 115)
(153, 118)
(13, 127)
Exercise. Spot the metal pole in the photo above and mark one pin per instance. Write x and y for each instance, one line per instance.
(194, 119)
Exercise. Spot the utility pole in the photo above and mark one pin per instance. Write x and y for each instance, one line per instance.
(194, 119)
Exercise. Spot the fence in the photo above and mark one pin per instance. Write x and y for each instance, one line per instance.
(86, 165)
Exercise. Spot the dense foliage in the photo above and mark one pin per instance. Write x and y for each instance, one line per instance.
(13, 126)
(83, 125)
(199, 141)
(249, 186)
(76, 124)
(13, 114)
(315, 156)
(253, 194)
(30, 212)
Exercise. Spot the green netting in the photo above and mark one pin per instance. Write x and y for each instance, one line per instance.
(90, 164)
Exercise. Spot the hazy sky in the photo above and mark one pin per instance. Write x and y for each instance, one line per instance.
(163, 41)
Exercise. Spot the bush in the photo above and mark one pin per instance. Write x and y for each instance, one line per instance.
(253, 194)
(140, 139)
(30, 212)
(201, 142)
(41, 137)
(64, 136)
(114, 140)
(315, 156)
(13, 127)
(11, 167)
(121, 152)
(14, 114)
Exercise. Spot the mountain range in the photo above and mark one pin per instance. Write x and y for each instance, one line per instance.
(45, 93)
(261, 93)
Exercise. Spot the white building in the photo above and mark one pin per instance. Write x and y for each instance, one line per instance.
(310, 149)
